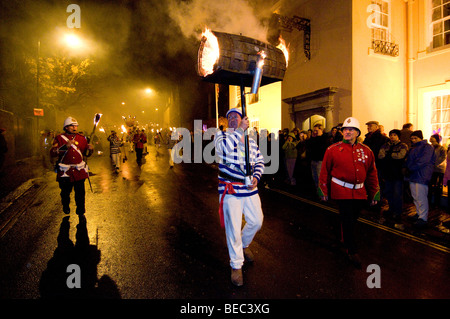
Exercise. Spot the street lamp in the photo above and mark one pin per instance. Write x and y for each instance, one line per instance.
(72, 40)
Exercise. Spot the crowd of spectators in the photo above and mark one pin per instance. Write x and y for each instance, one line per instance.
(411, 169)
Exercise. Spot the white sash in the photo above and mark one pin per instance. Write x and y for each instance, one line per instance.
(65, 167)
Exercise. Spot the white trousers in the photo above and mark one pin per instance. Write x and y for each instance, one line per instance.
(419, 193)
(115, 158)
(238, 237)
(171, 155)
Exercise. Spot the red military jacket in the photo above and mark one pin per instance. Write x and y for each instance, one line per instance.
(70, 161)
(353, 164)
(139, 139)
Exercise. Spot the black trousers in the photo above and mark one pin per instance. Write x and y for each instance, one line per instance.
(349, 210)
(139, 155)
(66, 187)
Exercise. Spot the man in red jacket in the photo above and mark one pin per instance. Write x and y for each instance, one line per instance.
(72, 171)
(349, 176)
(139, 139)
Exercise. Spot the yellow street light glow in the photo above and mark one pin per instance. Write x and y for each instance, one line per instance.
(148, 91)
(72, 40)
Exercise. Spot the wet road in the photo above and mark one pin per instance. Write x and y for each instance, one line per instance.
(154, 233)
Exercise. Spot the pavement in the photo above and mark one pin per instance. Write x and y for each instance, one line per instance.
(25, 176)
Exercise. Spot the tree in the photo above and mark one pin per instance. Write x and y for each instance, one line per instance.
(63, 82)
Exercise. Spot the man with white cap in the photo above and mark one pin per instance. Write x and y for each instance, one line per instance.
(349, 176)
(72, 171)
(237, 198)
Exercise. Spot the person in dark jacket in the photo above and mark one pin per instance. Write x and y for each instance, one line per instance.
(375, 139)
(316, 147)
(405, 136)
(435, 187)
(420, 165)
(392, 157)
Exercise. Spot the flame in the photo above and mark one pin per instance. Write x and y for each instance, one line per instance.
(97, 118)
(210, 53)
(102, 129)
(263, 55)
(283, 48)
(124, 129)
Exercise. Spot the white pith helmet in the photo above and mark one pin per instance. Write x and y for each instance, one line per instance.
(70, 121)
(351, 122)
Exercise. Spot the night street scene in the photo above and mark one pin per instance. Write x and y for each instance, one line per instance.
(225, 158)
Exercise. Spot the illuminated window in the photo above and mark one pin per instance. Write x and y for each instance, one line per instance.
(381, 25)
(253, 98)
(238, 95)
(440, 22)
(440, 115)
(249, 98)
(254, 130)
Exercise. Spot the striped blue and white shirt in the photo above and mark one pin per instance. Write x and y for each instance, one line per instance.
(231, 153)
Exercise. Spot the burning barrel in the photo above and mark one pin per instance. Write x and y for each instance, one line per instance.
(233, 60)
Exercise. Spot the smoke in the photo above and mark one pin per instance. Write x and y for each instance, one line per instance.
(229, 16)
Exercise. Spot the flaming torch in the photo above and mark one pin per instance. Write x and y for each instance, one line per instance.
(96, 120)
(258, 72)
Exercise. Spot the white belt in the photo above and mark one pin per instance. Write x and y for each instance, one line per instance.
(65, 167)
(347, 185)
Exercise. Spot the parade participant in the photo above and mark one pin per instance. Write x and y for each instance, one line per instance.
(234, 196)
(70, 147)
(170, 145)
(139, 139)
(349, 176)
(114, 147)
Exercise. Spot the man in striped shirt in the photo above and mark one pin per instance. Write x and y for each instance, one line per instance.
(114, 147)
(237, 198)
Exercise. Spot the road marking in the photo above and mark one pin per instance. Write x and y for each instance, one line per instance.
(368, 222)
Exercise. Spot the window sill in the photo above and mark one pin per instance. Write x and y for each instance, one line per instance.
(428, 53)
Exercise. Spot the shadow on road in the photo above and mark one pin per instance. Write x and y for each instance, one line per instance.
(75, 265)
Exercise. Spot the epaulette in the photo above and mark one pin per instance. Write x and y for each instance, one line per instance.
(334, 145)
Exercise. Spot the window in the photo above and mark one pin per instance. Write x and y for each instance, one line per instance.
(440, 115)
(440, 23)
(381, 24)
(249, 98)
(253, 98)
(238, 95)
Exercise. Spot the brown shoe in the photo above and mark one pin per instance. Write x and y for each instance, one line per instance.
(248, 255)
(236, 277)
